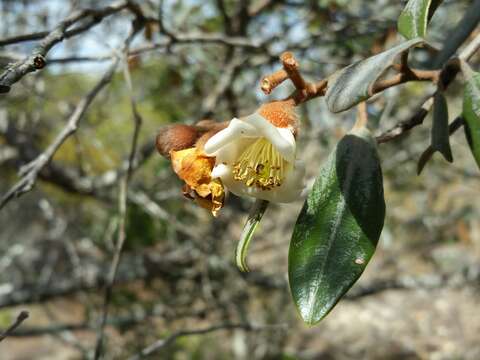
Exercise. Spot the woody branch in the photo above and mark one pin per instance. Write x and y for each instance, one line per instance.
(306, 91)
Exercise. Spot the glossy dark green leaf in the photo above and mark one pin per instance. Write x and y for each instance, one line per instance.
(440, 132)
(338, 228)
(354, 83)
(413, 20)
(471, 110)
(254, 218)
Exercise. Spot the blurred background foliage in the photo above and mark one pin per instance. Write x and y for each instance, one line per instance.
(419, 297)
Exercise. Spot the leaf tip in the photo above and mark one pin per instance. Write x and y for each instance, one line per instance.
(312, 318)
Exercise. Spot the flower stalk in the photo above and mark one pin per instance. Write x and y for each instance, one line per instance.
(254, 217)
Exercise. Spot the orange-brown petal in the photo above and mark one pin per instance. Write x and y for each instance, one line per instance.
(195, 168)
(192, 167)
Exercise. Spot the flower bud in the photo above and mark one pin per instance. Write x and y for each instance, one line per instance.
(175, 137)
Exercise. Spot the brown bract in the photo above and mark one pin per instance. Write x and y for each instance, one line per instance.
(281, 114)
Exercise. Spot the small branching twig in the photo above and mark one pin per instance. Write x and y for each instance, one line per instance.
(36, 60)
(404, 126)
(93, 16)
(226, 79)
(30, 171)
(291, 70)
(306, 91)
(446, 77)
(20, 319)
(291, 67)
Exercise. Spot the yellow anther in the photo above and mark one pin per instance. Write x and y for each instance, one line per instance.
(260, 165)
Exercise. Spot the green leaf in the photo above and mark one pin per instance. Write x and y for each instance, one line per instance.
(254, 217)
(428, 153)
(440, 131)
(354, 83)
(414, 18)
(471, 110)
(338, 228)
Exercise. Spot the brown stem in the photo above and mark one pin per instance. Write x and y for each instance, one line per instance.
(291, 66)
(270, 82)
(36, 60)
(20, 318)
(122, 199)
(406, 76)
(362, 116)
(313, 90)
(306, 91)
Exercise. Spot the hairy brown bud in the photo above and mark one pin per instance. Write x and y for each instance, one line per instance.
(175, 137)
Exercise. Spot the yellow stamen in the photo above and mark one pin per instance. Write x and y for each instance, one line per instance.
(260, 165)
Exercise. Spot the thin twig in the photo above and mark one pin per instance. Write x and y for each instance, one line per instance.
(20, 318)
(404, 126)
(118, 322)
(228, 74)
(29, 294)
(447, 75)
(122, 200)
(95, 16)
(180, 39)
(36, 60)
(30, 171)
(291, 67)
(404, 76)
(306, 91)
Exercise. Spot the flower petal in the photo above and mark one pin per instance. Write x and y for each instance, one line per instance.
(253, 126)
(220, 171)
(281, 138)
(236, 129)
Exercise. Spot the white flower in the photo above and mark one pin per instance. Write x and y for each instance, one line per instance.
(255, 158)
